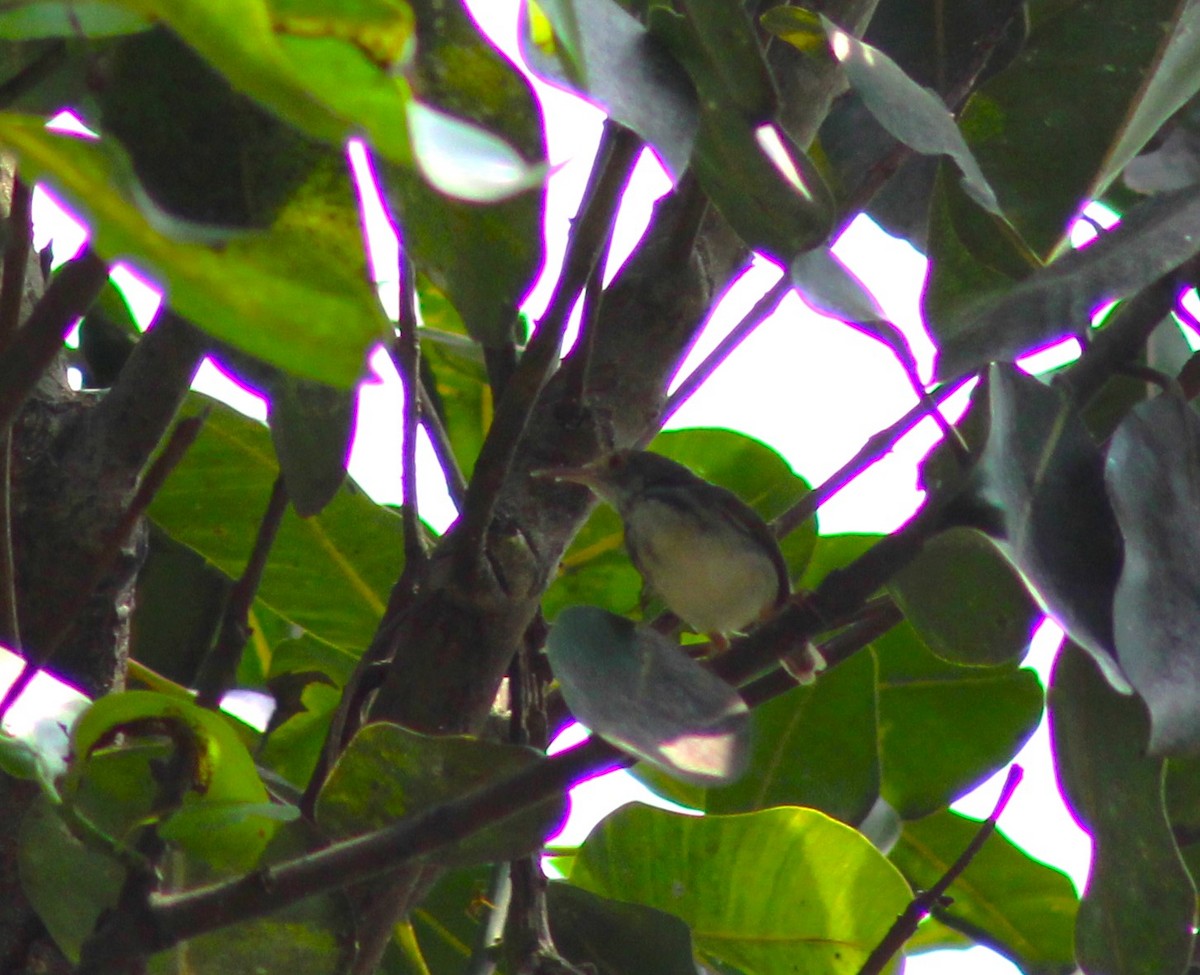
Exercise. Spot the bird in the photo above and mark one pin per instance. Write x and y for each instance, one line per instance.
(708, 555)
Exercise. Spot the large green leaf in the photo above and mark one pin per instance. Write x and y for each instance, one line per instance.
(1139, 907)
(1046, 131)
(326, 69)
(331, 573)
(779, 891)
(1008, 900)
(965, 600)
(276, 295)
(926, 759)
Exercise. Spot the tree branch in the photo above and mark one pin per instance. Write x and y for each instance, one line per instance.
(763, 309)
(67, 297)
(906, 924)
(589, 238)
(74, 599)
(220, 668)
(408, 364)
(16, 259)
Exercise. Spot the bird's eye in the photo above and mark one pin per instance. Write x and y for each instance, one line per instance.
(616, 462)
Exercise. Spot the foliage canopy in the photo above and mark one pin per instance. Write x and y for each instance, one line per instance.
(391, 815)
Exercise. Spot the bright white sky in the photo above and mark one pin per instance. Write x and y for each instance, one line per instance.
(811, 388)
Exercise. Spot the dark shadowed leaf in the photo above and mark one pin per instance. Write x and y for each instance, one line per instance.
(727, 877)
(311, 424)
(1153, 477)
(1059, 300)
(615, 62)
(1139, 906)
(1006, 899)
(388, 772)
(1038, 491)
(716, 43)
(965, 600)
(828, 286)
(637, 689)
(612, 937)
(329, 574)
(913, 114)
(1043, 159)
(765, 185)
(926, 760)
(441, 933)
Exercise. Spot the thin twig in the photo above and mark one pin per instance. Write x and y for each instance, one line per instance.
(875, 447)
(9, 616)
(182, 437)
(67, 297)
(16, 259)
(408, 363)
(1122, 338)
(920, 906)
(439, 439)
(762, 309)
(589, 238)
(220, 668)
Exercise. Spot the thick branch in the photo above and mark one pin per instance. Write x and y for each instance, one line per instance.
(68, 296)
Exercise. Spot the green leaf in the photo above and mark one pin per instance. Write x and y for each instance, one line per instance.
(764, 184)
(926, 759)
(965, 600)
(223, 819)
(913, 114)
(1009, 901)
(615, 938)
(309, 937)
(442, 931)
(293, 748)
(54, 19)
(47, 854)
(271, 295)
(817, 746)
(482, 257)
(636, 688)
(388, 772)
(311, 425)
(466, 161)
(723, 56)
(328, 70)
(727, 877)
(1151, 472)
(330, 574)
(1139, 906)
(1080, 81)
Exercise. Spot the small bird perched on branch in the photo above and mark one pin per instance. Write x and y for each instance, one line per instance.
(706, 552)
